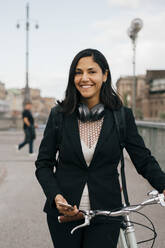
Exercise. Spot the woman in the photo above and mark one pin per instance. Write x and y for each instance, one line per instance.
(86, 171)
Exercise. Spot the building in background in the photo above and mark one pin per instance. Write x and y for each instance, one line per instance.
(14, 98)
(150, 94)
(41, 106)
(2, 91)
(4, 106)
(11, 106)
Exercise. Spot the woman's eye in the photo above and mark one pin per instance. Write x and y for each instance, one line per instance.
(77, 72)
(91, 72)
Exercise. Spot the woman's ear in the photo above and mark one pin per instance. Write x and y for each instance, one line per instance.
(105, 76)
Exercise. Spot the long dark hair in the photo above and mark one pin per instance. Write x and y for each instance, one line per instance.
(108, 96)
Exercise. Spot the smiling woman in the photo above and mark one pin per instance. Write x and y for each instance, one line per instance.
(86, 175)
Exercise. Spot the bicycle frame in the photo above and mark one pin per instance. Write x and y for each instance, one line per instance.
(127, 237)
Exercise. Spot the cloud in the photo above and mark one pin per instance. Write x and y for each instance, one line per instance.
(124, 3)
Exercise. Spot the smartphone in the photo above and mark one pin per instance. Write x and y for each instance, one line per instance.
(70, 207)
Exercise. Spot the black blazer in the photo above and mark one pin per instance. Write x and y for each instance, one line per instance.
(72, 172)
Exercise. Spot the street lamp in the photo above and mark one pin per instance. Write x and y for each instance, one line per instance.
(27, 97)
(136, 26)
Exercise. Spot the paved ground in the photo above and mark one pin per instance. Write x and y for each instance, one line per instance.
(22, 222)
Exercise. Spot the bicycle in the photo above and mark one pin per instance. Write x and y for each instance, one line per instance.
(127, 237)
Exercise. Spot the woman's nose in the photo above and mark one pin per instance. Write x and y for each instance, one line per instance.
(85, 77)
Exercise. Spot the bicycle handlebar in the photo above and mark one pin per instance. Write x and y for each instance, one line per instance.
(156, 198)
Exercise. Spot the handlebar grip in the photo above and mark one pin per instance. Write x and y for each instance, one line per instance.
(65, 219)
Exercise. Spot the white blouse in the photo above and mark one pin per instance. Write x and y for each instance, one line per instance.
(89, 134)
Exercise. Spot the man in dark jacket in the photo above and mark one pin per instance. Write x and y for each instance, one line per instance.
(29, 127)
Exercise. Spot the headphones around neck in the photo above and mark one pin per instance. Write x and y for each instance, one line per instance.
(93, 114)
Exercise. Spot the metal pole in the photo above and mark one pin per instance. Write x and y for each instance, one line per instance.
(136, 26)
(134, 78)
(27, 45)
(27, 89)
(27, 97)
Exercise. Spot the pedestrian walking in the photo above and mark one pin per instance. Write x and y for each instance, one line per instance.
(28, 127)
(83, 130)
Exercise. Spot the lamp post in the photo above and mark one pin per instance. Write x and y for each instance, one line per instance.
(136, 26)
(27, 97)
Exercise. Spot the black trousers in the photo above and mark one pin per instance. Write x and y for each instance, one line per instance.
(21, 145)
(97, 235)
(28, 140)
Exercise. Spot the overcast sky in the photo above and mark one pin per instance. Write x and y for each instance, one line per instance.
(68, 26)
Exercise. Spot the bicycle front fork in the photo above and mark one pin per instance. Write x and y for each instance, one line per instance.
(127, 237)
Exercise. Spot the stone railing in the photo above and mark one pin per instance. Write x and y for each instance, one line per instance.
(153, 134)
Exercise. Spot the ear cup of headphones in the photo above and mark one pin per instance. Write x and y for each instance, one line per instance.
(94, 114)
(97, 112)
(83, 112)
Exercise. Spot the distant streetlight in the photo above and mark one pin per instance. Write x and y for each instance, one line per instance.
(27, 97)
(136, 26)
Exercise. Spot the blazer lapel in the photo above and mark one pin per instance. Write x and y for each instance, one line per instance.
(72, 131)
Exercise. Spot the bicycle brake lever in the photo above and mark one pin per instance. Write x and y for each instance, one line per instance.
(161, 197)
(86, 223)
(162, 200)
(153, 193)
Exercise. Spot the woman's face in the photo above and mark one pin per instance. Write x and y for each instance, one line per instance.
(89, 79)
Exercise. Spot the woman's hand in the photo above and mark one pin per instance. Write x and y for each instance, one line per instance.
(64, 210)
(164, 192)
(36, 125)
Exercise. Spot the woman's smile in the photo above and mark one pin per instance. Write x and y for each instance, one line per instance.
(86, 86)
